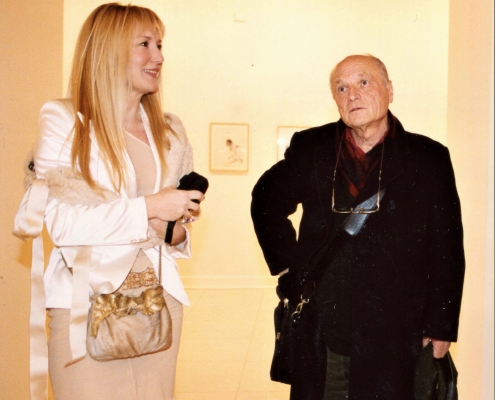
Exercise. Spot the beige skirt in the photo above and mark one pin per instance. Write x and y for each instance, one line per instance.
(149, 377)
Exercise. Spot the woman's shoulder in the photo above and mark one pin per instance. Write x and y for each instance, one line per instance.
(53, 145)
(176, 124)
(56, 119)
(60, 107)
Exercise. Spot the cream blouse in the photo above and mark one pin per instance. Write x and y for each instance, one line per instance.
(142, 159)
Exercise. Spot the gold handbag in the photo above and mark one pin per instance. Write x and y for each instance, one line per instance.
(129, 322)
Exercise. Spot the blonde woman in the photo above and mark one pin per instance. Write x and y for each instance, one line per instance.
(112, 160)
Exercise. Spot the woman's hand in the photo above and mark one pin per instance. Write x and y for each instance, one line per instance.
(170, 204)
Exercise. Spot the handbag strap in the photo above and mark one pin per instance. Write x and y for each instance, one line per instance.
(160, 265)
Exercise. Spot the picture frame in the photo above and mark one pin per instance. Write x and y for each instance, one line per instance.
(229, 147)
(284, 135)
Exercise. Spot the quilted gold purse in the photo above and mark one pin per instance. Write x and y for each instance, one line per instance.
(129, 322)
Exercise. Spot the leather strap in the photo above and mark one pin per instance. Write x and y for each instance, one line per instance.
(352, 226)
(354, 222)
(170, 231)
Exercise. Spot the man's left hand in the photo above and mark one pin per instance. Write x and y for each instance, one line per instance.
(440, 348)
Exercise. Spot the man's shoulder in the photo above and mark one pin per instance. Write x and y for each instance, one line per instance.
(318, 130)
(315, 134)
(424, 144)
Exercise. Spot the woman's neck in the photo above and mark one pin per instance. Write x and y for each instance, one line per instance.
(133, 122)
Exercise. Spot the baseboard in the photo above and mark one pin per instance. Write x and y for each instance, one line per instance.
(214, 282)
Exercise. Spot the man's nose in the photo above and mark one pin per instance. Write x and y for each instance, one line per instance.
(353, 93)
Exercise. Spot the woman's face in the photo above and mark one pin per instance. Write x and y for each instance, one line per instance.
(146, 61)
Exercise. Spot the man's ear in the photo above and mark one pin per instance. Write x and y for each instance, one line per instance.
(390, 89)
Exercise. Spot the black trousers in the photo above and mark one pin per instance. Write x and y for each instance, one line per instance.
(337, 379)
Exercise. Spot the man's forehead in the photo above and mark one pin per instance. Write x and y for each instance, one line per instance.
(342, 76)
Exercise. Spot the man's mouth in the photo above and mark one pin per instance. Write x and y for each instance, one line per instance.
(356, 109)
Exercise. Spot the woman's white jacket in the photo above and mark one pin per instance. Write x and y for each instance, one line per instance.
(102, 236)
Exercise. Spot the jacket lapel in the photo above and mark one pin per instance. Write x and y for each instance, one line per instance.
(159, 172)
(129, 189)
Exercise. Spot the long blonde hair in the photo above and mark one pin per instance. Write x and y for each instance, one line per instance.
(99, 83)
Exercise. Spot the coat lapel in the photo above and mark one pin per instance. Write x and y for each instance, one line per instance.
(324, 164)
(395, 149)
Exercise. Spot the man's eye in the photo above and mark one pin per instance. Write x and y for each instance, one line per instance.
(341, 89)
(366, 82)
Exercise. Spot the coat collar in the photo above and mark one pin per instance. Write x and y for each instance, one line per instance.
(396, 147)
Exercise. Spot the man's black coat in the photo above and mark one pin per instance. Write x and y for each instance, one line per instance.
(407, 267)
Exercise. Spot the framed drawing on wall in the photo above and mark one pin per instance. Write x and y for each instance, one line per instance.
(284, 134)
(229, 147)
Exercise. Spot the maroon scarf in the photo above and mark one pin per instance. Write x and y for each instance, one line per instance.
(355, 164)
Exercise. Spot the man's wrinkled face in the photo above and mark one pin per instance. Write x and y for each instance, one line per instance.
(361, 91)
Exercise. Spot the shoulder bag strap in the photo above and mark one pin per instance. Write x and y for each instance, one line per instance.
(351, 226)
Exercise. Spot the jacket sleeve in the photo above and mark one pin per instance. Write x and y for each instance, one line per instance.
(187, 161)
(184, 163)
(122, 221)
(274, 198)
(445, 256)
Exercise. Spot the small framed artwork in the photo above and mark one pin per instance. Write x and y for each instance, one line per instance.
(284, 134)
(229, 147)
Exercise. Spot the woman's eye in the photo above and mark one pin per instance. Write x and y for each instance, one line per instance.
(366, 82)
(159, 46)
(145, 44)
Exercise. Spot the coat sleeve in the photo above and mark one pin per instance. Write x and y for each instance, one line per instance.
(445, 256)
(122, 221)
(274, 198)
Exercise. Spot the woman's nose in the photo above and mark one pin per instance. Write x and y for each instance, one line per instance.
(158, 57)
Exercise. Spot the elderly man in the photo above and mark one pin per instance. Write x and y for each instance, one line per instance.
(382, 226)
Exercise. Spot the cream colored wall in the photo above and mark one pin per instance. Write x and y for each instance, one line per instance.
(470, 138)
(267, 71)
(272, 69)
(31, 73)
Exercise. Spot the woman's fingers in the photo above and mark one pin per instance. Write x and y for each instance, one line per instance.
(171, 204)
